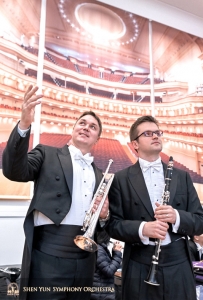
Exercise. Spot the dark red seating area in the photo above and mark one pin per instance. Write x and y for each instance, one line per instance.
(51, 139)
(132, 149)
(81, 67)
(32, 50)
(32, 73)
(93, 91)
(196, 178)
(133, 80)
(147, 99)
(5, 106)
(2, 147)
(100, 93)
(185, 133)
(126, 97)
(112, 77)
(60, 62)
(89, 71)
(75, 87)
(107, 149)
(56, 140)
(104, 150)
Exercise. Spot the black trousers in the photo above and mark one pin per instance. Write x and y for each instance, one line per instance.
(176, 283)
(56, 278)
(174, 274)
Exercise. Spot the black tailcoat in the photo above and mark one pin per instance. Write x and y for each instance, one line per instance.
(51, 170)
(130, 205)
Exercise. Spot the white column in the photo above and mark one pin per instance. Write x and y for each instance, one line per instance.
(151, 68)
(36, 133)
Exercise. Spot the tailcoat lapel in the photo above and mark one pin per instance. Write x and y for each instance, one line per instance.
(66, 165)
(137, 181)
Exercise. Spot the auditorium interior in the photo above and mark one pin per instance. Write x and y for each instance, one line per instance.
(119, 63)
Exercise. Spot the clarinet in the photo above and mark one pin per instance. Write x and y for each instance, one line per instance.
(152, 276)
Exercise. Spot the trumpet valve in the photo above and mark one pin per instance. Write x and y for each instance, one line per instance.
(102, 189)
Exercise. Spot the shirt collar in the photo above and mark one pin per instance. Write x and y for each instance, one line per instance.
(143, 163)
(77, 154)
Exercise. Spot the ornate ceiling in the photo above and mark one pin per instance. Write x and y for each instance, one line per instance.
(99, 34)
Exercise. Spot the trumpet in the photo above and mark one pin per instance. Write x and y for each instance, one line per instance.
(152, 275)
(85, 241)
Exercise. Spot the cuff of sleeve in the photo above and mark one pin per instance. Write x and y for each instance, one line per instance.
(23, 132)
(177, 223)
(105, 219)
(144, 239)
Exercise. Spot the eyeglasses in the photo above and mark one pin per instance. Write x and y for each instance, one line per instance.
(150, 133)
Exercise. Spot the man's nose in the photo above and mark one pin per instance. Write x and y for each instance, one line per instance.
(86, 127)
(154, 135)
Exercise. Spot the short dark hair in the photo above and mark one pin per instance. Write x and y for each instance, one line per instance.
(133, 129)
(91, 113)
(103, 237)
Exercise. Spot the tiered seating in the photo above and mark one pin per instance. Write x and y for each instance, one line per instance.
(145, 81)
(133, 80)
(51, 58)
(2, 147)
(124, 97)
(90, 72)
(32, 50)
(48, 78)
(31, 73)
(75, 87)
(132, 149)
(100, 93)
(193, 134)
(59, 82)
(196, 178)
(112, 77)
(147, 99)
(56, 140)
(107, 149)
(104, 150)
(51, 139)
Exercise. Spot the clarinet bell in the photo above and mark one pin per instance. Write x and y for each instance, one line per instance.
(151, 278)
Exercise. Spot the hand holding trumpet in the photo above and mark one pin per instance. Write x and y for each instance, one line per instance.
(105, 208)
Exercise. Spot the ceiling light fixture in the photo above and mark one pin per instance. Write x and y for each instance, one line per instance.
(85, 22)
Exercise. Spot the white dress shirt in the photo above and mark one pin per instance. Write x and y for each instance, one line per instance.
(155, 183)
(83, 187)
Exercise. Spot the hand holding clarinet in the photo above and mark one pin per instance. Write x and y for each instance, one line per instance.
(163, 213)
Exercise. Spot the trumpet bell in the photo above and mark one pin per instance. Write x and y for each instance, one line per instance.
(85, 243)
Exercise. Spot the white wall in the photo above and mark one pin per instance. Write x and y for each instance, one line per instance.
(12, 214)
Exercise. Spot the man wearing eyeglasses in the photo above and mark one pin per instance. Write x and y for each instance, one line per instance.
(138, 217)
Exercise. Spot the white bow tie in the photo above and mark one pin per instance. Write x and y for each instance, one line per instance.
(86, 158)
(156, 165)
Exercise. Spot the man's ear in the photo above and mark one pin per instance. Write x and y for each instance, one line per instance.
(135, 145)
(97, 140)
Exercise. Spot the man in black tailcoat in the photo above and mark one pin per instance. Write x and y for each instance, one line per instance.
(65, 180)
(138, 218)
